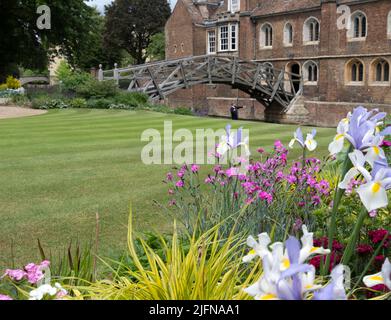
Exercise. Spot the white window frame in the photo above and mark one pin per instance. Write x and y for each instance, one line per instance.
(233, 32)
(262, 36)
(287, 35)
(373, 73)
(306, 74)
(231, 27)
(351, 32)
(234, 6)
(349, 70)
(209, 32)
(307, 32)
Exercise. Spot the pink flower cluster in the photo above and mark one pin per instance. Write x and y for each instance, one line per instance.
(5, 298)
(32, 272)
(264, 179)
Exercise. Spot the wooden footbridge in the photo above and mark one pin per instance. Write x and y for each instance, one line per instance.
(159, 79)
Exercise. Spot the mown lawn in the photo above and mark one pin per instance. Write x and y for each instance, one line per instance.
(57, 170)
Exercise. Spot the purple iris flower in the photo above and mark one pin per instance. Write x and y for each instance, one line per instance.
(386, 132)
(237, 138)
(380, 164)
(335, 290)
(299, 136)
(294, 291)
(362, 123)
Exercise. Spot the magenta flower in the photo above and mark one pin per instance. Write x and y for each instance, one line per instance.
(316, 200)
(15, 275)
(169, 176)
(34, 273)
(195, 168)
(385, 144)
(377, 236)
(180, 184)
(364, 249)
(278, 144)
(373, 214)
(217, 169)
(231, 172)
(5, 298)
(265, 196)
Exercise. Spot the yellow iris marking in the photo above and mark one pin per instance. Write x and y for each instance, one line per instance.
(308, 286)
(376, 278)
(377, 150)
(268, 297)
(346, 120)
(376, 187)
(339, 137)
(314, 249)
(252, 251)
(286, 263)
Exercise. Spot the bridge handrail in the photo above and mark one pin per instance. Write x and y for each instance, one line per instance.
(190, 58)
(160, 78)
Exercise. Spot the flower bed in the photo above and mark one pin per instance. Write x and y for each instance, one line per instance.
(323, 228)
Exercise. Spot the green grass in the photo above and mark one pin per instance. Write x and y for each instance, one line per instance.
(57, 170)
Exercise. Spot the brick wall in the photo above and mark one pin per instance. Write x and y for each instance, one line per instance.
(333, 95)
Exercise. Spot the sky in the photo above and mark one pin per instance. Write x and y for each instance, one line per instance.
(101, 3)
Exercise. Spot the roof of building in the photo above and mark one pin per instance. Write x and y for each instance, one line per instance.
(202, 10)
(270, 7)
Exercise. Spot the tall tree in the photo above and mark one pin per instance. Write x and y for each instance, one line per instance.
(23, 43)
(157, 48)
(130, 24)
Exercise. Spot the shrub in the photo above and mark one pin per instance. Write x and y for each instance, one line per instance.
(131, 99)
(20, 100)
(13, 83)
(93, 88)
(100, 103)
(183, 111)
(70, 79)
(45, 103)
(78, 103)
(3, 87)
(120, 106)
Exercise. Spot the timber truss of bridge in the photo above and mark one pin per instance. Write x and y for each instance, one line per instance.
(160, 79)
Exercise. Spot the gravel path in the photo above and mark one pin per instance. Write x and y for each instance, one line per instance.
(18, 112)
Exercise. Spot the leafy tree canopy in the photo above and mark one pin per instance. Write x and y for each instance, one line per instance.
(22, 43)
(130, 25)
(157, 48)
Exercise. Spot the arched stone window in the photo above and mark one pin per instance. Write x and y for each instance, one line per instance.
(358, 26)
(267, 36)
(355, 72)
(389, 25)
(380, 71)
(288, 34)
(311, 73)
(311, 32)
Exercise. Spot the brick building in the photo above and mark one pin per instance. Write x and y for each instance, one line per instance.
(340, 67)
